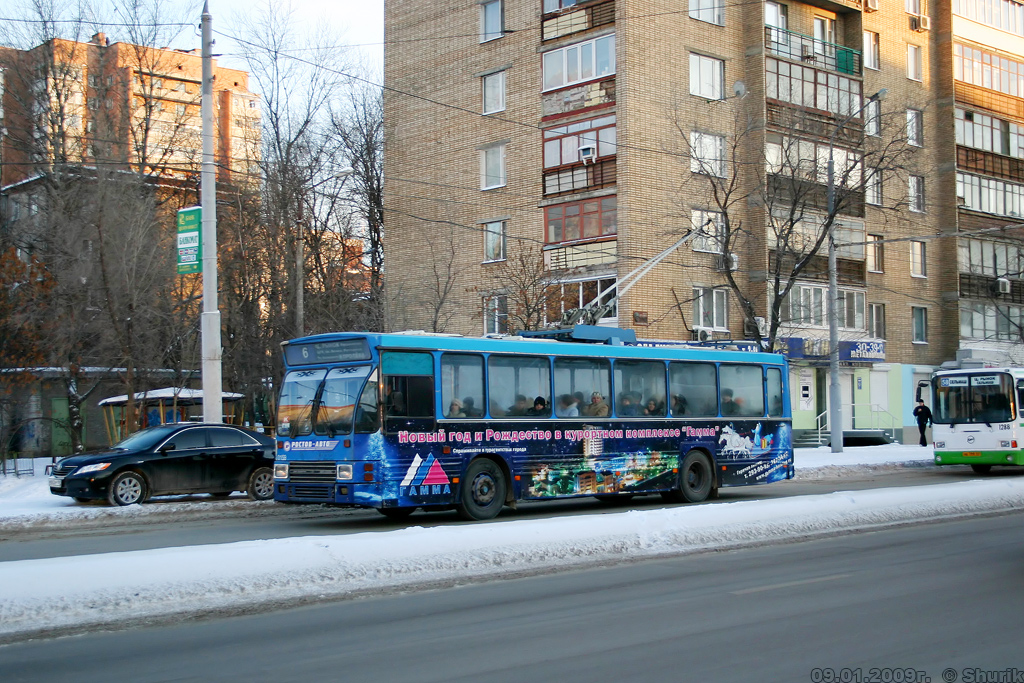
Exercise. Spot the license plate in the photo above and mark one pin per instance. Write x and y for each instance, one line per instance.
(972, 454)
(55, 482)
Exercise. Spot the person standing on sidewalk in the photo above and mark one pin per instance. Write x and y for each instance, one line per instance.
(924, 418)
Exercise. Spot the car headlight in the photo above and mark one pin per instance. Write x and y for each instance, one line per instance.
(281, 471)
(344, 472)
(92, 468)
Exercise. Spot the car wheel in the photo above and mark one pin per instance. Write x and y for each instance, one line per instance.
(483, 490)
(127, 488)
(981, 469)
(396, 513)
(694, 480)
(261, 484)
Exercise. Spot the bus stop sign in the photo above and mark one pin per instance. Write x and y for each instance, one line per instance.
(190, 243)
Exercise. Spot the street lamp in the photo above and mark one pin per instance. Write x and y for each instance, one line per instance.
(835, 409)
(300, 257)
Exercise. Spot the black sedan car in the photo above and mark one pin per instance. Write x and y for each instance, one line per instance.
(179, 458)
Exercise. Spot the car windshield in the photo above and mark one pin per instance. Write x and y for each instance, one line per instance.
(147, 438)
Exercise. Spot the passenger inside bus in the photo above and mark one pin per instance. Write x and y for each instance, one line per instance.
(729, 406)
(597, 407)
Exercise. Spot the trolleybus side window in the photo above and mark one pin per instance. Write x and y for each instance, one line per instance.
(636, 384)
(515, 383)
(773, 383)
(581, 378)
(744, 384)
(408, 384)
(694, 389)
(462, 385)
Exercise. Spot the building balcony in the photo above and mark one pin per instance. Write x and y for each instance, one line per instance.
(573, 18)
(989, 163)
(813, 52)
(850, 272)
(579, 178)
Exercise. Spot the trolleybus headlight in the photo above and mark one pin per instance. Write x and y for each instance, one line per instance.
(281, 471)
(344, 472)
(940, 444)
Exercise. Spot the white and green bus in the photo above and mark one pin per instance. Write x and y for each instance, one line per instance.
(977, 417)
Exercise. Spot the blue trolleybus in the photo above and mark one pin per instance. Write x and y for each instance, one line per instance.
(403, 421)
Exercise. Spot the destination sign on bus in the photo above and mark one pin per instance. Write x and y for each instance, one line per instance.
(985, 380)
(343, 351)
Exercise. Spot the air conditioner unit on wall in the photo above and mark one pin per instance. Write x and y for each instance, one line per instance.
(870, 5)
(920, 23)
(702, 334)
(727, 262)
(588, 153)
(758, 328)
(1003, 286)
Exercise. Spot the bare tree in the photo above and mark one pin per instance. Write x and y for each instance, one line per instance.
(529, 289)
(767, 195)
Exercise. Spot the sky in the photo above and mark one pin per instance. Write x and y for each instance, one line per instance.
(356, 23)
(113, 586)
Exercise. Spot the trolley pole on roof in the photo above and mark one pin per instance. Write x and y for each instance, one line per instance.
(210, 321)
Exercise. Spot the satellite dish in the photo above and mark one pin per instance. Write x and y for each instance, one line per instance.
(739, 89)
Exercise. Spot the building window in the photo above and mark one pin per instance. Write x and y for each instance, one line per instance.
(873, 187)
(995, 259)
(915, 190)
(984, 132)
(707, 77)
(490, 20)
(588, 219)
(986, 321)
(494, 92)
(807, 305)
(1007, 15)
(708, 231)
(915, 129)
(875, 253)
(872, 54)
(873, 118)
(918, 264)
(562, 144)
(494, 241)
(990, 195)
(914, 69)
(876, 320)
(711, 308)
(496, 314)
(711, 11)
(988, 70)
(919, 316)
(492, 167)
(707, 154)
(808, 87)
(555, 5)
(579, 62)
(913, 7)
(565, 296)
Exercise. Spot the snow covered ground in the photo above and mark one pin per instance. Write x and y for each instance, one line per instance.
(66, 594)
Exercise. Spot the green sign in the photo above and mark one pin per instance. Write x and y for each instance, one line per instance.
(190, 241)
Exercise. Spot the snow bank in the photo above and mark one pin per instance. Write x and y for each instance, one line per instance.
(54, 595)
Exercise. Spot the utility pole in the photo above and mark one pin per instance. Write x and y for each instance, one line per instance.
(212, 383)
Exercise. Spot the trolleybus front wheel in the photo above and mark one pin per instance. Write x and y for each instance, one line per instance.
(483, 490)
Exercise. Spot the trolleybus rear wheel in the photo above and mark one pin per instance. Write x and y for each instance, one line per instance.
(483, 490)
(694, 480)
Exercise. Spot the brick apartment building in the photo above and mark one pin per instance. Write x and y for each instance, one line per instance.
(572, 141)
(117, 103)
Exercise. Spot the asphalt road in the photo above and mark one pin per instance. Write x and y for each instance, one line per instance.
(920, 599)
(315, 520)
